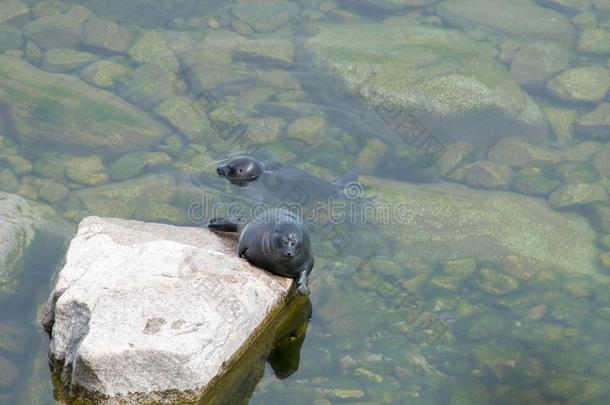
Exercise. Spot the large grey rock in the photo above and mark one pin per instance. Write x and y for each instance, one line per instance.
(148, 312)
(533, 65)
(62, 111)
(450, 83)
(446, 221)
(57, 31)
(21, 223)
(515, 18)
(595, 124)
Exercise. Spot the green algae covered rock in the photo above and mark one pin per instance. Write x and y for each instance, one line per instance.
(517, 18)
(533, 65)
(595, 124)
(583, 84)
(448, 221)
(57, 31)
(14, 12)
(153, 49)
(103, 73)
(66, 60)
(576, 194)
(87, 170)
(105, 35)
(595, 41)
(489, 175)
(61, 112)
(265, 15)
(450, 83)
(10, 38)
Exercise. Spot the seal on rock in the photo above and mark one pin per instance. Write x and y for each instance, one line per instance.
(275, 240)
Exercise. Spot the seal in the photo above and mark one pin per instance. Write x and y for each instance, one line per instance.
(280, 183)
(275, 240)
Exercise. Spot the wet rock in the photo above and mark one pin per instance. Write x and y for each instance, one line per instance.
(52, 191)
(517, 153)
(482, 326)
(424, 78)
(23, 224)
(14, 12)
(454, 156)
(10, 38)
(63, 112)
(500, 360)
(584, 84)
(578, 288)
(66, 60)
(517, 19)
(265, 15)
(147, 86)
(495, 283)
(462, 268)
(343, 394)
(576, 172)
(444, 284)
(561, 120)
(371, 154)
(308, 130)
(594, 41)
(8, 181)
(585, 21)
(57, 31)
(568, 6)
(489, 175)
(464, 222)
(88, 170)
(181, 113)
(266, 52)
(153, 49)
(103, 73)
(33, 53)
(533, 65)
(133, 164)
(9, 373)
(534, 181)
(179, 300)
(388, 5)
(105, 35)
(574, 195)
(595, 124)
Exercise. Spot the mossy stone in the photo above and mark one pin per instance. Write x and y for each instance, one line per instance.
(576, 194)
(582, 84)
(87, 170)
(103, 73)
(495, 283)
(8, 181)
(10, 38)
(153, 49)
(462, 267)
(66, 60)
(52, 191)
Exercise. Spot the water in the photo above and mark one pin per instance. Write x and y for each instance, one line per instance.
(480, 275)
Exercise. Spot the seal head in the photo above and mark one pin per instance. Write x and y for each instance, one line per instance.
(241, 170)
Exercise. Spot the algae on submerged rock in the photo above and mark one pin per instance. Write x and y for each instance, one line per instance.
(451, 84)
(62, 112)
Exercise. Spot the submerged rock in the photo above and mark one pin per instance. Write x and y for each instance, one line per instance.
(265, 15)
(533, 65)
(595, 41)
(57, 31)
(448, 221)
(595, 124)
(517, 18)
(63, 112)
(574, 195)
(105, 35)
(23, 225)
(14, 12)
(154, 313)
(450, 84)
(10, 38)
(488, 174)
(66, 60)
(584, 84)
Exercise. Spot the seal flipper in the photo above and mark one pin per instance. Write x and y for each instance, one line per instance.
(223, 225)
(302, 283)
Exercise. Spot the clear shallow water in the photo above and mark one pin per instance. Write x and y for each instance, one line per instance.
(393, 322)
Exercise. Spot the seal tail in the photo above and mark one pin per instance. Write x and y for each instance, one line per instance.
(223, 225)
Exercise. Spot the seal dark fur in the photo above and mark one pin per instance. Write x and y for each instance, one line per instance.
(275, 240)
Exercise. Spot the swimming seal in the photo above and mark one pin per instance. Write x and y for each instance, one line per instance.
(279, 183)
(275, 240)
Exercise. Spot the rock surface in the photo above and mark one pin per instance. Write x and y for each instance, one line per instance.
(21, 222)
(137, 300)
(450, 83)
(517, 18)
(447, 221)
(63, 112)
